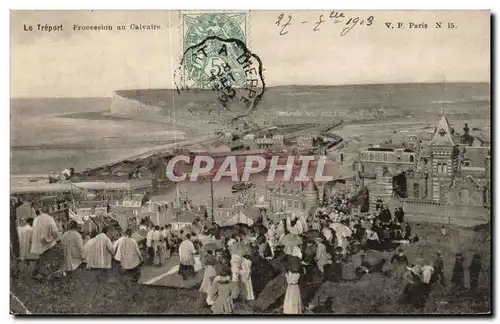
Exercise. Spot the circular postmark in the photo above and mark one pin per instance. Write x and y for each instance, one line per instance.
(226, 67)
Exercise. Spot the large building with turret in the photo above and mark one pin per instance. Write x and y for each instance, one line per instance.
(443, 172)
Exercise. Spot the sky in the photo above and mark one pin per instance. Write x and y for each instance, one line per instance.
(95, 63)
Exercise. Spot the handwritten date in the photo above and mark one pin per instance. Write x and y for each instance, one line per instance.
(285, 21)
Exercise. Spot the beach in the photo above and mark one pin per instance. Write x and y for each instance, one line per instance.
(49, 135)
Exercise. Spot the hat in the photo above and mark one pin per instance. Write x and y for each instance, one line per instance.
(438, 252)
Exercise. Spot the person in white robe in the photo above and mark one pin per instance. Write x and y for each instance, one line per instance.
(44, 240)
(186, 258)
(25, 237)
(296, 228)
(87, 248)
(246, 277)
(303, 223)
(102, 251)
(129, 254)
(149, 244)
(235, 267)
(72, 243)
(271, 237)
(163, 243)
(280, 229)
(235, 271)
(169, 240)
(158, 255)
(116, 248)
(322, 258)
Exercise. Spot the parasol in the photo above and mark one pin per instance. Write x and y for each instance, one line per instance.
(240, 249)
(212, 246)
(341, 229)
(291, 240)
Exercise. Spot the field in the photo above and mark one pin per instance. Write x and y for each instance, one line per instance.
(89, 292)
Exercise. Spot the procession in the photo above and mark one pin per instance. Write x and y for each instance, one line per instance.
(294, 258)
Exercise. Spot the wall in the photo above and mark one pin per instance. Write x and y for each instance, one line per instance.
(429, 211)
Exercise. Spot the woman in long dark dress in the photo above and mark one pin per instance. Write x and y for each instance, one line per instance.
(411, 289)
(458, 271)
(474, 269)
(400, 262)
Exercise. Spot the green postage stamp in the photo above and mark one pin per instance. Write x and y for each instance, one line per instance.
(197, 27)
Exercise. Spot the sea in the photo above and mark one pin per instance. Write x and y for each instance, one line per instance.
(51, 134)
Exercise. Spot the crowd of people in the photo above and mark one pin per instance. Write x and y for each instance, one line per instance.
(330, 244)
(333, 244)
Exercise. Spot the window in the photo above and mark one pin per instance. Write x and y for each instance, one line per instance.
(464, 196)
(371, 156)
(290, 203)
(296, 204)
(411, 158)
(416, 190)
(384, 156)
(442, 168)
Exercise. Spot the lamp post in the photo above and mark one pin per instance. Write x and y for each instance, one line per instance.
(212, 196)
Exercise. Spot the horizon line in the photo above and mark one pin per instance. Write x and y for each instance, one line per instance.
(267, 87)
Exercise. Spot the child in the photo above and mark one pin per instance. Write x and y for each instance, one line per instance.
(223, 292)
(443, 231)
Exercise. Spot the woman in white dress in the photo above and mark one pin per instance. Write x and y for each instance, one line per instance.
(246, 277)
(293, 301)
(208, 276)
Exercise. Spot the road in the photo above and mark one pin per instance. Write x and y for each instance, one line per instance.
(167, 276)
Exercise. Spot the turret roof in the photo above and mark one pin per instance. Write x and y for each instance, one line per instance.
(442, 135)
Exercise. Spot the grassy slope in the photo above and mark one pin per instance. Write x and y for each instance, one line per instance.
(90, 293)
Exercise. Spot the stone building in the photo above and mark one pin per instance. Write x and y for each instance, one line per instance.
(295, 197)
(287, 197)
(450, 170)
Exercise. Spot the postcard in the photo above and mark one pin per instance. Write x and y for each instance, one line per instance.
(251, 162)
